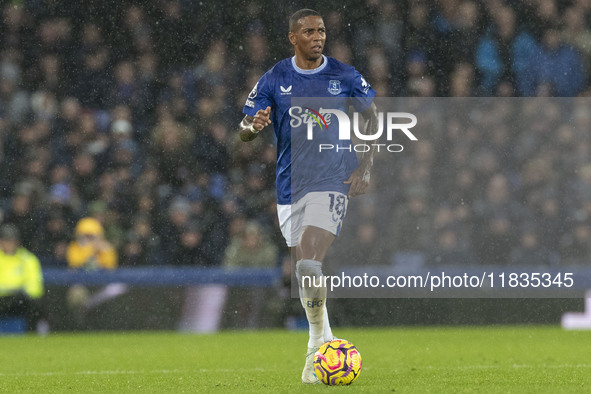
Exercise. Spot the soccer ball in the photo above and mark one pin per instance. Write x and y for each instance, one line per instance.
(337, 363)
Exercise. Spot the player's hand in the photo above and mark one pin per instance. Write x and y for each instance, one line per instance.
(359, 181)
(262, 118)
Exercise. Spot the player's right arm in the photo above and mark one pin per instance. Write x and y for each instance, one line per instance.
(251, 125)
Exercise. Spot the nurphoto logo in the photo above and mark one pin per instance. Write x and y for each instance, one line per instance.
(391, 122)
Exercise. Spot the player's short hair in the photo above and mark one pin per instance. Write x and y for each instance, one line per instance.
(296, 16)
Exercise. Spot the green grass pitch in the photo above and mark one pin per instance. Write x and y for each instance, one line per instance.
(403, 360)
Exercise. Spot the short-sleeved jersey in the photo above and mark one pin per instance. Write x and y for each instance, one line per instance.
(276, 88)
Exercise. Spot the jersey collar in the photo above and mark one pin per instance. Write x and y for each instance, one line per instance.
(313, 71)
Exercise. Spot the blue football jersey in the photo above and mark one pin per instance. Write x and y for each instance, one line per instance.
(301, 167)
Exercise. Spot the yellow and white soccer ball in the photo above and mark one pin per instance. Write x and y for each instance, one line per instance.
(337, 363)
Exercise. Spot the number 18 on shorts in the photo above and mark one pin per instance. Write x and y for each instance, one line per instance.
(325, 210)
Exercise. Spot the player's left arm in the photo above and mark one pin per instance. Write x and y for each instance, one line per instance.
(359, 179)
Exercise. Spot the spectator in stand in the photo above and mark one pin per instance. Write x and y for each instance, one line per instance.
(172, 228)
(84, 179)
(52, 238)
(454, 23)
(90, 250)
(179, 95)
(13, 98)
(248, 249)
(448, 249)
(136, 35)
(142, 246)
(251, 248)
(462, 81)
(15, 26)
(575, 246)
(125, 89)
(22, 214)
(378, 67)
(530, 251)
(369, 250)
(50, 75)
(94, 78)
(170, 145)
(409, 227)
(190, 251)
(576, 32)
(416, 73)
(147, 86)
(419, 35)
(212, 71)
(496, 215)
(210, 152)
(173, 34)
(555, 66)
(503, 52)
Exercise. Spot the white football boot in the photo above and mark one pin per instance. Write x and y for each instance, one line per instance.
(308, 375)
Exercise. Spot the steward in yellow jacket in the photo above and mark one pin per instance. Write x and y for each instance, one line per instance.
(21, 278)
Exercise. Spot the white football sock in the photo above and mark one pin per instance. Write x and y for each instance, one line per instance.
(327, 330)
(313, 297)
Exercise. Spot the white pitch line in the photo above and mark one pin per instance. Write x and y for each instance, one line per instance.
(130, 372)
(114, 372)
(465, 367)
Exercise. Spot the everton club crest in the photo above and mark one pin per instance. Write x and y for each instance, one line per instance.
(334, 86)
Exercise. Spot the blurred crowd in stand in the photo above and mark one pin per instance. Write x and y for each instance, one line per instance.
(126, 112)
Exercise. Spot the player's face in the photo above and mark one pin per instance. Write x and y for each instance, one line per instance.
(308, 39)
